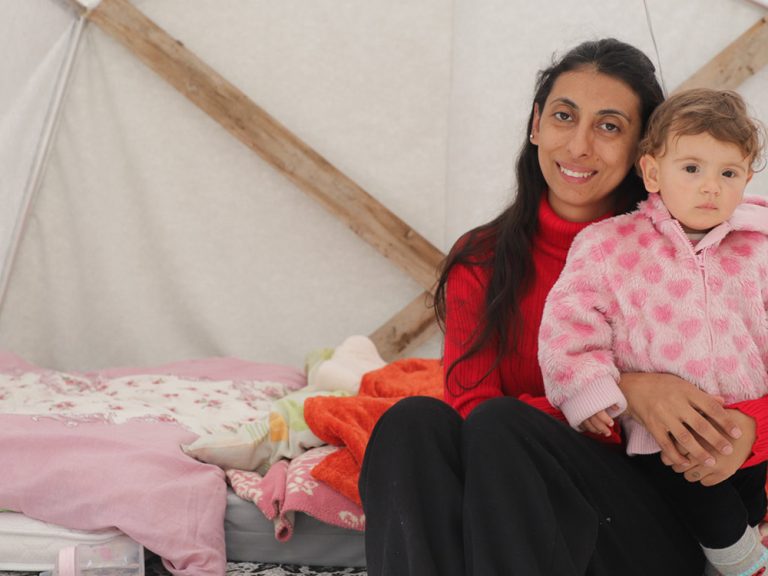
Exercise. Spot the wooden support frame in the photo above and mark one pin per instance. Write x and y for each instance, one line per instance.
(312, 173)
(316, 176)
(741, 59)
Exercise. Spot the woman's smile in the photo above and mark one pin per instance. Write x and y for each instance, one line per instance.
(576, 174)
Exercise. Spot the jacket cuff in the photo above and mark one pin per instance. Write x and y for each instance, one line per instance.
(593, 397)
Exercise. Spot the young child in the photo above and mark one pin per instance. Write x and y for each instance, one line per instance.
(679, 286)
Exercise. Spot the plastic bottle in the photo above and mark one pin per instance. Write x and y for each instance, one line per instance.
(120, 556)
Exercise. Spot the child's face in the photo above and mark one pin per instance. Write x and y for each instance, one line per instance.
(701, 180)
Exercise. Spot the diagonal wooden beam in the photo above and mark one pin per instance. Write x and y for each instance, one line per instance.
(283, 150)
(741, 59)
(412, 326)
(231, 108)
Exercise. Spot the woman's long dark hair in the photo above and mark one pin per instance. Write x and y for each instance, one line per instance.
(505, 243)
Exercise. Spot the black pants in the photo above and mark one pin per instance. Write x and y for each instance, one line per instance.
(716, 515)
(510, 492)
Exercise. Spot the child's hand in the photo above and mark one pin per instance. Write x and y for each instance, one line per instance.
(599, 424)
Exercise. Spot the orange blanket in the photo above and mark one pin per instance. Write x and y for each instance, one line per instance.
(348, 422)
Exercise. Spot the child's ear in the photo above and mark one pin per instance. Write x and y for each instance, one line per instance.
(650, 169)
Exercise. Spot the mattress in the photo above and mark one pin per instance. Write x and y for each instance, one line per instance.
(31, 545)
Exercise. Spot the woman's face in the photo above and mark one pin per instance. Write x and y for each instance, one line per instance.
(587, 135)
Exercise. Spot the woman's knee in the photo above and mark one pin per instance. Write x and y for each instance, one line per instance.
(419, 416)
(414, 433)
(505, 420)
(505, 410)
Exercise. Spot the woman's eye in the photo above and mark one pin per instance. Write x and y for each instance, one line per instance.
(691, 169)
(609, 127)
(562, 116)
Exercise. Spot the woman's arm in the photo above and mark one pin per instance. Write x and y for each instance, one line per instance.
(757, 410)
(675, 412)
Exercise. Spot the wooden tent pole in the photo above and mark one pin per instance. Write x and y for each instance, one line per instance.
(741, 59)
(231, 108)
(412, 326)
(283, 150)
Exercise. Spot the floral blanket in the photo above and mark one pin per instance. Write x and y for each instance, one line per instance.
(201, 406)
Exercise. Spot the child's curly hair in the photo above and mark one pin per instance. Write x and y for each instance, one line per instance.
(721, 113)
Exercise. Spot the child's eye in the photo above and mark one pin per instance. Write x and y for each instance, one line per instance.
(730, 173)
(691, 169)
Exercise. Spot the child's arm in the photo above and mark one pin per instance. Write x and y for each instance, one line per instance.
(576, 336)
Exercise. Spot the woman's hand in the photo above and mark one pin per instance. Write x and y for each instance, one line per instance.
(726, 465)
(676, 413)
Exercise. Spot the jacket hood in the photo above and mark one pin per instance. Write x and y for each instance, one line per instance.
(751, 215)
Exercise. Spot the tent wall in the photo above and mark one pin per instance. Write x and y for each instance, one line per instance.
(35, 38)
(156, 236)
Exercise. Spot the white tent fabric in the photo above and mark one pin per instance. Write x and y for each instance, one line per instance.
(156, 236)
(38, 39)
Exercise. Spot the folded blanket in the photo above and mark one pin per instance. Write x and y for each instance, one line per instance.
(288, 488)
(348, 422)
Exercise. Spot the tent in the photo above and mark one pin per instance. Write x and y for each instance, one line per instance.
(196, 178)
(138, 229)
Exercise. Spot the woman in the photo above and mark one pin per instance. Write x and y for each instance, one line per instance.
(486, 483)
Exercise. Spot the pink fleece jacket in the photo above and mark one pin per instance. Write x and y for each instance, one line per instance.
(636, 296)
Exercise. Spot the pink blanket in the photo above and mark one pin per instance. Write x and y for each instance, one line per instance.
(133, 476)
(288, 487)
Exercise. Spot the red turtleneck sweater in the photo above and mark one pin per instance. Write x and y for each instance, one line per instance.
(518, 374)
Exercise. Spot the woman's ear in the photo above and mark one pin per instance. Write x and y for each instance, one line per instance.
(650, 169)
(534, 136)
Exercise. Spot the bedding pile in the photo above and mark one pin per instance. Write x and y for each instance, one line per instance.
(101, 450)
(345, 396)
(150, 451)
